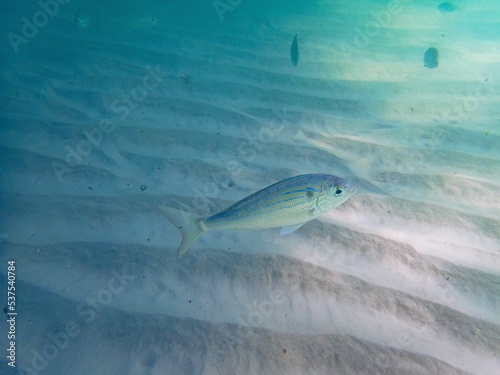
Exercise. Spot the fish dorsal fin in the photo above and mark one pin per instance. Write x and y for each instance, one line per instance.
(292, 228)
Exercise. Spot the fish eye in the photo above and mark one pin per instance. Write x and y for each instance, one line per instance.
(338, 192)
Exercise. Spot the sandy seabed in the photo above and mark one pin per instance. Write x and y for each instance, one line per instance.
(115, 108)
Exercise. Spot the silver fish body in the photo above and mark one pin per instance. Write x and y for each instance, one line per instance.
(287, 204)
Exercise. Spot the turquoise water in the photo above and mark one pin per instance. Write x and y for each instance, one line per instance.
(111, 109)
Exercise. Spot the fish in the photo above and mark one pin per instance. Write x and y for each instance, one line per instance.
(447, 7)
(431, 58)
(132, 19)
(287, 204)
(83, 18)
(294, 50)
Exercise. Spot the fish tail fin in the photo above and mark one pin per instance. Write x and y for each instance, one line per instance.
(190, 226)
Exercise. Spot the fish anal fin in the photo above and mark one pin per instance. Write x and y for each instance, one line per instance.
(292, 228)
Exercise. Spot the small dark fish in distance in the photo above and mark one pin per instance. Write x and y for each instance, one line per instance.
(431, 58)
(447, 7)
(294, 51)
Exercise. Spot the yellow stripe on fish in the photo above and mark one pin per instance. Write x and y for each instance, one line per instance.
(288, 204)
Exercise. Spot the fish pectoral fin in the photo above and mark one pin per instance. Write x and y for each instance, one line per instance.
(292, 228)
